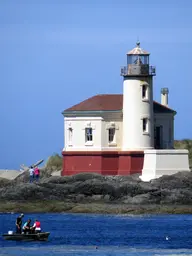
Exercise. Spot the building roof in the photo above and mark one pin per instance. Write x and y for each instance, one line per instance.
(138, 50)
(110, 102)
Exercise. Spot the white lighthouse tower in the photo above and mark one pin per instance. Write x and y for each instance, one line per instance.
(138, 131)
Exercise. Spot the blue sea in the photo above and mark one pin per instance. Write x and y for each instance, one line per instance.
(107, 235)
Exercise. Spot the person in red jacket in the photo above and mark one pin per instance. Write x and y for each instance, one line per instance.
(37, 226)
(36, 173)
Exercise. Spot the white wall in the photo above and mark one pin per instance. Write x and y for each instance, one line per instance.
(135, 109)
(112, 120)
(78, 125)
(164, 162)
(100, 125)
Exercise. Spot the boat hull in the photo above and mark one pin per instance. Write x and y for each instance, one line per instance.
(27, 237)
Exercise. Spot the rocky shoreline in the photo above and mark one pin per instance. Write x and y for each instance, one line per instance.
(91, 208)
(94, 193)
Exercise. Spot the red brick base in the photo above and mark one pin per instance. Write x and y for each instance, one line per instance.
(102, 162)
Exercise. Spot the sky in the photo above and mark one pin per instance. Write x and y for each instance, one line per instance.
(57, 53)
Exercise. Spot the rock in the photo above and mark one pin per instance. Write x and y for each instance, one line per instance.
(141, 199)
(178, 180)
(88, 187)
(23, 192)
(57, 179)
(175, 196)
(106, 198)
(127, 199)
(94, 187)
(97, 197)
(4, 182)
(80, 198)
(123, 189)
(88, 176)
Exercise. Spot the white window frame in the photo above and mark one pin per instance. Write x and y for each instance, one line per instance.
(88, 136)
(112, 135)
(70, 136)
(112, 125)
(146, 124)
(146, 97)
(89, 125)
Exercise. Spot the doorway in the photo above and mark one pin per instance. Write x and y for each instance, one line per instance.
(158, 137)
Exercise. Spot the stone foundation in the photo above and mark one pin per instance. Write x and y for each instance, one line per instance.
(164, 162)
(102, 162)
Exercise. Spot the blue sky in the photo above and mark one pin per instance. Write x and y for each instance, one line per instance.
(56, 53)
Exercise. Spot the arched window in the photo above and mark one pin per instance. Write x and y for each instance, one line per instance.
(111, 135)
(144, 91)
(70, 135)
(145, 125)
(88, 134)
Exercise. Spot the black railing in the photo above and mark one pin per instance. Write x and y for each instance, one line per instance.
(141, 70)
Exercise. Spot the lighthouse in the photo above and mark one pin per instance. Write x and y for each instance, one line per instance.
(114, 134)
(138, 123)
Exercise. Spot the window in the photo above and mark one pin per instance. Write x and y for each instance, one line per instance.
(88, 134)
(144, 91)
(111, 134)
(145, 124)
(70, 134)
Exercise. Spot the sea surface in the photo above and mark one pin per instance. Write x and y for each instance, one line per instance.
(107, 235)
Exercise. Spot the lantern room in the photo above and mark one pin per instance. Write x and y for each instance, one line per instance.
(138, 56)
(137, 63)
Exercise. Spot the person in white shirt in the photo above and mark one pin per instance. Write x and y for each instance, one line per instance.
(31, 174)
(27, 226)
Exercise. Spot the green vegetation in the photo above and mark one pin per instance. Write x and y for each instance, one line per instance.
(54, 162)
(185, 144)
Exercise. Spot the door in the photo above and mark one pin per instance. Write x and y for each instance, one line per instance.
(158, 137)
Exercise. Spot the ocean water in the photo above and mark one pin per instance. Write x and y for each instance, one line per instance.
(107, 235)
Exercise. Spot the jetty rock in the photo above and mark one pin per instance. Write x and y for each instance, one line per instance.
(92, 187)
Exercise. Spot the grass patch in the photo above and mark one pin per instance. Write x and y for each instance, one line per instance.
(54, 162)
(185, 144)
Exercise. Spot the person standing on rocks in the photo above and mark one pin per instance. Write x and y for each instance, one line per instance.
(31, 174)
(36, 172)
(19, 223)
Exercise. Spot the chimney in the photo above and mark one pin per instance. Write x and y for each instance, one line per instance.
(164, 96)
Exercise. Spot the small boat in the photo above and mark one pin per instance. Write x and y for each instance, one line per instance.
(43, 236)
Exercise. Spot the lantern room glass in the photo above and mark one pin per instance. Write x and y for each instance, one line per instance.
(137, 58)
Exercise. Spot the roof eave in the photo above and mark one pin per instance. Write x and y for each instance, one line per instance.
(174, 112)
(85, 112)
(131, 53)
(81, 112)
